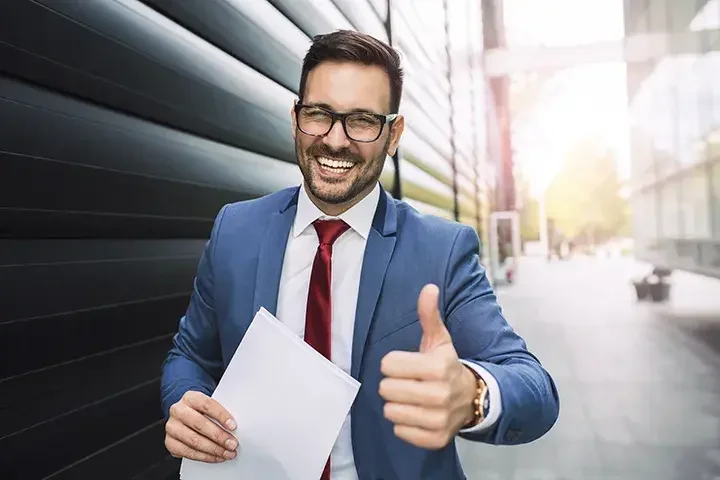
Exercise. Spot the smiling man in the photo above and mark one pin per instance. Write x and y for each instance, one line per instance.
(396, 299)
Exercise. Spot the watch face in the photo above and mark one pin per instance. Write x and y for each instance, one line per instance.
(485, 399)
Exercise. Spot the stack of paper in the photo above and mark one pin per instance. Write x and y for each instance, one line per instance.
(289, 403)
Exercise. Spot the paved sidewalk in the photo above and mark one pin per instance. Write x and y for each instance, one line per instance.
(639, 383)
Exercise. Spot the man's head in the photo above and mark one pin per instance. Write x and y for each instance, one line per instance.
(346, 72)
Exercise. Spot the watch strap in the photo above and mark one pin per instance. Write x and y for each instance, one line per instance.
(481, 402)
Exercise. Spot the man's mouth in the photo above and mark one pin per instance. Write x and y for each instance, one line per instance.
(334, 166)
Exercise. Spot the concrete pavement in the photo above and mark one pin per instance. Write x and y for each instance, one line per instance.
(639, 383)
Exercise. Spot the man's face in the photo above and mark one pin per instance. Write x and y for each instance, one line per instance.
(338, 170)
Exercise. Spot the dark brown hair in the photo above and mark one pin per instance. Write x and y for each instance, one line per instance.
(352, 46)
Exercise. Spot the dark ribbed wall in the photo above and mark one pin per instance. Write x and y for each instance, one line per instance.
(124, 127)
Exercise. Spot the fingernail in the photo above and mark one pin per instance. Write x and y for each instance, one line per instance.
(230, 444)
(230, 424)
(229, 455)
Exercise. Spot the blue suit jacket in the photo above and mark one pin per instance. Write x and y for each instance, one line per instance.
(239, 272)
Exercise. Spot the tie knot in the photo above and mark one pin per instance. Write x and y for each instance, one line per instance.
(329, 230)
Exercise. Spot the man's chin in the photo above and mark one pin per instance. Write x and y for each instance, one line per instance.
(331, 197)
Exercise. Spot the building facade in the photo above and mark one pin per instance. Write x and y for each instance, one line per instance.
(125, 126)
(675, 133)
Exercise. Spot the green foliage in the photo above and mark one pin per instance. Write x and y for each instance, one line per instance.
(530, 220)
(584, 199)
(529, 212)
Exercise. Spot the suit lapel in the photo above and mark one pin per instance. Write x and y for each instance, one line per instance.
(378, 252)
(270, 258)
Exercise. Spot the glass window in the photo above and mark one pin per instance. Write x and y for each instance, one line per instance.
(688, 93)
(695, 205)
(712, 74)
(661, 118)
(669, 214)
(645, 215)
(657, 16)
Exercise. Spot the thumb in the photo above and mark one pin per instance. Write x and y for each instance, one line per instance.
(434, 331)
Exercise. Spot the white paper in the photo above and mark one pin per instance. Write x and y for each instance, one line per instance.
(289, 403)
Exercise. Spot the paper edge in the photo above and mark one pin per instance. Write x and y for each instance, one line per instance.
(287, 332)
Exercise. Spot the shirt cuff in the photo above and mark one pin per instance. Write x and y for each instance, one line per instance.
(493, 394)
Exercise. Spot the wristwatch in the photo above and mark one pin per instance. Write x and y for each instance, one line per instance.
(481, 402)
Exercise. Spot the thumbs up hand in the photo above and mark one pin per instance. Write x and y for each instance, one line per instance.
(429, 394)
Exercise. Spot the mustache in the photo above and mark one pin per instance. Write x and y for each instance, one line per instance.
(322, 150)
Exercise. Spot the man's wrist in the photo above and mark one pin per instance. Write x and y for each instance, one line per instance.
(470, 388)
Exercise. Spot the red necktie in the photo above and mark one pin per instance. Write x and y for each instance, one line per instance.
(318, 316)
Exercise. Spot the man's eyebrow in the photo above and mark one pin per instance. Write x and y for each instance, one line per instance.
(354, 110)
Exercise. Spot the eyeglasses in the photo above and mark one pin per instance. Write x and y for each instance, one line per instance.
(362, 127)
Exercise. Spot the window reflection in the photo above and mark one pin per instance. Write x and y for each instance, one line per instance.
(675, 110)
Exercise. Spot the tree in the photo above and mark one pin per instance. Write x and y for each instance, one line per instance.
(529, 209)
(584, 198)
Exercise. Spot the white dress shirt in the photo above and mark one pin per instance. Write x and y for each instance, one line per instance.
(347, 259)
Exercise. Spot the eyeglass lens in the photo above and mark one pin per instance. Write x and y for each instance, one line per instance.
(360, 127)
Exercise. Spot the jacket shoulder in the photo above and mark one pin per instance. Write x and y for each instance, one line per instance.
(236, 217)
(267, 203)
(432, 226)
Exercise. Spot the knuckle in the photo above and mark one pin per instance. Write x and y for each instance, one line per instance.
(443, 420)
(218, 451)
(219, 437)
(188, 452)
(438, 371)
(444, 396)
(172, 447)
(180, 411)
(194, 441)
(199, 425)
(171, 428)
(206, 405)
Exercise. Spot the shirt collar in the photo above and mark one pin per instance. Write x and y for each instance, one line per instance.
(359, 217)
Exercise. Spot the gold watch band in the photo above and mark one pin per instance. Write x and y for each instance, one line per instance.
(479, 401)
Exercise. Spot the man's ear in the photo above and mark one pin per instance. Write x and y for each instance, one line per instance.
(398, 126)
(292, 117)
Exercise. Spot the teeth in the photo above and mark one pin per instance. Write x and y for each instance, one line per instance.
(329, 162)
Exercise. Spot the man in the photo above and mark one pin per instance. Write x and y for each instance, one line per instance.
(396, 299)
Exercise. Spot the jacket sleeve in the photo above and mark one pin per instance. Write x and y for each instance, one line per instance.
(481, 335)
(194, 361)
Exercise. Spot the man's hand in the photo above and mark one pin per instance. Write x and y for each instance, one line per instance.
(190, 434)
(429, 393)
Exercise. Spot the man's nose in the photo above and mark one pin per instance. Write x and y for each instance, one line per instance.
(336, 138)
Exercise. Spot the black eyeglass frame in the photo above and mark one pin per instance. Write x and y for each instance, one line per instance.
(383, 119)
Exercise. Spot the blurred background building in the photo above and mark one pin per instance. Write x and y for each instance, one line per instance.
(675, 134)
(586, 129)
